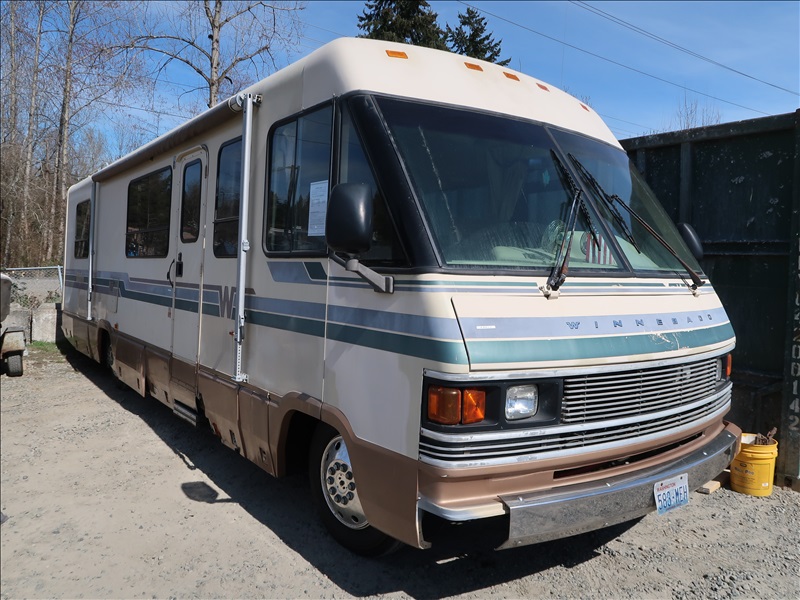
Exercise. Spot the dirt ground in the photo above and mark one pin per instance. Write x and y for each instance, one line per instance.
(108, 495)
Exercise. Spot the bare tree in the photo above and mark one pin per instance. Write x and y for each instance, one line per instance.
(223, 44)
(61, 59)
(41, 10)
(690, 114)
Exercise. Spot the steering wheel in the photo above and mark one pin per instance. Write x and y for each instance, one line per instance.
(552, 236)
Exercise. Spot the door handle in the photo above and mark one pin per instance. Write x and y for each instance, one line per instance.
(169, 272)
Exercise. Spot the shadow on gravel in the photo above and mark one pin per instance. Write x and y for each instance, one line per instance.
(285, 507)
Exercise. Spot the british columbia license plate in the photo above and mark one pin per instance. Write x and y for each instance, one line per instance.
(671, 493)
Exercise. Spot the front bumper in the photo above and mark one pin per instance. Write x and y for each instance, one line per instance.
(563, 512)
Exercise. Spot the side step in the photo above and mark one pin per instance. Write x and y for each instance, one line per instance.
(185, 413)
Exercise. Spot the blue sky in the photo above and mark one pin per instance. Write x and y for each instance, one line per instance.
(636, 83)
(760, 39)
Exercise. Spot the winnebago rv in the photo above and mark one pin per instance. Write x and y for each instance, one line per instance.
(436, 281)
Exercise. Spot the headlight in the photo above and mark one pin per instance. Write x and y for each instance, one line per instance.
(522, 401)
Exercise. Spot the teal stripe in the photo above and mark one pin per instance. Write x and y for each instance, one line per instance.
(316, 271)
(186, 305)
(141, 297)
(525, 351)
(295, 324)
(437, 350)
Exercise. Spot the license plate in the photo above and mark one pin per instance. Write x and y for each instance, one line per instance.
(671, 493)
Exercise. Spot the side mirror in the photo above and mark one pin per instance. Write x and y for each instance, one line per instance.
(348, 223)
(692, 240)
(348, 229)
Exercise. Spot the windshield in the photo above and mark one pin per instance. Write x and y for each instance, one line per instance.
(492, 191)
(496, 194)
(609, 175)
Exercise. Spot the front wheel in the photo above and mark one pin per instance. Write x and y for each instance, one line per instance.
(335, 492)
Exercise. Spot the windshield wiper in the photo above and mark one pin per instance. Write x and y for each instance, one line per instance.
(559, 273)
(610, 199)
(606, 200)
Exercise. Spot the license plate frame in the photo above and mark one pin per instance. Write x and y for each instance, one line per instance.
(671, 493)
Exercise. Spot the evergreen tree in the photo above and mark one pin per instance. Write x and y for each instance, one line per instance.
(406, 21)
(470, 39)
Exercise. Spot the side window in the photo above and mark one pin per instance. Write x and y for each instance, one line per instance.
(299, 173)
(147, 231)
(83, 217)
(190, 201)
(354, 168)
(226, 206)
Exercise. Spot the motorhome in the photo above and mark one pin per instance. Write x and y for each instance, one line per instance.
(436, 283)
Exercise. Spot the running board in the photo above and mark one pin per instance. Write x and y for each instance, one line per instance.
(185, 413)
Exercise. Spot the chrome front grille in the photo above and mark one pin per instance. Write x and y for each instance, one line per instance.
(606, 396)
(599, 411)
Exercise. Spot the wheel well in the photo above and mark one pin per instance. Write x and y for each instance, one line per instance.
(103, 341)
(294, 455)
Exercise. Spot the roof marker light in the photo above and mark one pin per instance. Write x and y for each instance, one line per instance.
(396, 54)
(511, 76)
(584, 107)
(543, 87)
(473, 66)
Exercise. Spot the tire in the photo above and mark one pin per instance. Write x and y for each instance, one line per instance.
(14, 365)
(335, 494)
(108, 354)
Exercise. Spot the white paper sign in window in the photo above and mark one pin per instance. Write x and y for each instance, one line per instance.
(318, 207)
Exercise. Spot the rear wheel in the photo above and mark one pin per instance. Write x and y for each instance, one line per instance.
(107, 353)
(335, 493)
(14, 365)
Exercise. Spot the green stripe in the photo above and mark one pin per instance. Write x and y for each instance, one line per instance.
(143, 297)
(524, 351)
(440, 351)
(296, 324)
(187, 305)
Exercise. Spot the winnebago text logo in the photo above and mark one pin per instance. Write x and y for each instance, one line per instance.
(643, 322)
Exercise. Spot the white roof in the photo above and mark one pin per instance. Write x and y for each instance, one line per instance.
(357, 64)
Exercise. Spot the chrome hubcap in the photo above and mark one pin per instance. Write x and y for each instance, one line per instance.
(339, 485)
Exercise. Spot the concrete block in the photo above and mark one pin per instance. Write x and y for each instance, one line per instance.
(43, 323)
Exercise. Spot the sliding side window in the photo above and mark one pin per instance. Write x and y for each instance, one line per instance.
(299, 177)
(83, 218)
(147, 231)
(226, 207)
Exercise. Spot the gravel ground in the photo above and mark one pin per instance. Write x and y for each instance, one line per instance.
(108, 495)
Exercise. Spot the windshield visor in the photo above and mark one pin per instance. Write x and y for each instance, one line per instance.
(492, 193)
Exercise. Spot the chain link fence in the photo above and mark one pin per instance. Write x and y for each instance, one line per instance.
(34, 286)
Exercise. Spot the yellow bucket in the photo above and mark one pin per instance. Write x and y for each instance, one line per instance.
(753, 469)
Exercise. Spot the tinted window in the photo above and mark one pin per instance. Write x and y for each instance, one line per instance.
(190, 201)
(226, 207)
(297, 197)
(354, 168)
(83, 217)
(147, 231)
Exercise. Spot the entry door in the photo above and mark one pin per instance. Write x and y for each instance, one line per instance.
(187, 267)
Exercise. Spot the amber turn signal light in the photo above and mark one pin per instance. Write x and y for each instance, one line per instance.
(444, 405)
(451, 406)
(473, 406)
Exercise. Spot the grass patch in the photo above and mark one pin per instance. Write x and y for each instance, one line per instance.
(45, 347)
